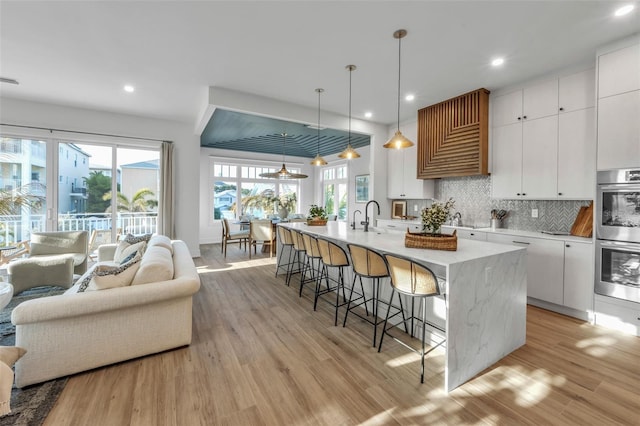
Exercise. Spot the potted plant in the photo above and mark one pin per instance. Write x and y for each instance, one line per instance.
(435, 216)
(430, 238)
(317, 216)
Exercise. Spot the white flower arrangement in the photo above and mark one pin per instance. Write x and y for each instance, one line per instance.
(433, 217)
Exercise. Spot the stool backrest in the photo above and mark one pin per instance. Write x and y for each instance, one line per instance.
(285, 236)
(367, 262)
(311, 245)
(298, 242)
(409, 277)
(332, 254)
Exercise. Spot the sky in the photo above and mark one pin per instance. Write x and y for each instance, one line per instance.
(101, 155)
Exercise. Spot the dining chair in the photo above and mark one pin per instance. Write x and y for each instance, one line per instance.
(413, 280)
(261, 231)
(229, 236)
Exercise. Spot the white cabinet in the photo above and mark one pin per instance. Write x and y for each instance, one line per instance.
(619, 71)
(467, 234)
(577, 91)
(540, 158)
(577, 154)
(619, 107)
(545, 265)
(618, 314)
(545, 141)
(619, 131)
(402, 169)
(578, 275)
(398, 225)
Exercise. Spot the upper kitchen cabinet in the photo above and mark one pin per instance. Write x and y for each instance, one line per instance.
(577, 91)
(536, 101)
(619, 71)
(619, 106)
(542, 145)
(402, 181)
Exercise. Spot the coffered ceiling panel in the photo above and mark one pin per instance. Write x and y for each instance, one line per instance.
(246, 132)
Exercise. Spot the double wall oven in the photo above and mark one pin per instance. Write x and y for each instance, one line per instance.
(618, 234)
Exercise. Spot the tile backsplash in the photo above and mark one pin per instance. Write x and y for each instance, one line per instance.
(472, 196)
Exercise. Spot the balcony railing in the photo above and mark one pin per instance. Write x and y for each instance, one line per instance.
(14, 228)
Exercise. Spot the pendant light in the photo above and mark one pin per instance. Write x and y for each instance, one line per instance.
(398, 140)
(349, 153)
(319, 161)
(283, 173)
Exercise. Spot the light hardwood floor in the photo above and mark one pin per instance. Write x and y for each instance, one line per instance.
(261, 356)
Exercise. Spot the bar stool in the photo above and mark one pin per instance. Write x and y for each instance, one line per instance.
(312, 254)
(416, 281)
(299, 254)
(284, 235)
(369, 264)
(333, 256)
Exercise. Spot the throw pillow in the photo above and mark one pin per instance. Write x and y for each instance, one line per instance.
(124, 249)
(104, 276)
(8, 356)
(162, 241)
(156, 266)
(132, 239)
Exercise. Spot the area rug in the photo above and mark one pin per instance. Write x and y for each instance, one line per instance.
(31, 405)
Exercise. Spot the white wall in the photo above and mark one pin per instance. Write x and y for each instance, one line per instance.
(25, 113)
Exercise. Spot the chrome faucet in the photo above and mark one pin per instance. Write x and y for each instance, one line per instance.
(353, 224)
(366, 215)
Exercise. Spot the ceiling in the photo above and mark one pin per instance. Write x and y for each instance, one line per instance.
(81, 54)
(247, 132)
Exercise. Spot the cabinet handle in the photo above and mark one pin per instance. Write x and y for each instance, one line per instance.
(568, 245)
(519, 118)
(518, 193)
(391, 226)
(559, 193)
(524, 193)
(472, 234)
(524, 117)
(561, 109)
(520, 242)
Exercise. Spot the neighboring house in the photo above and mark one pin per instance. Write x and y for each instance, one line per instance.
(224, 199)
(73, 166)
(143, 174)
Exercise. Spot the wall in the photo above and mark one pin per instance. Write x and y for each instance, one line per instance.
(187, 144)
(472, 196)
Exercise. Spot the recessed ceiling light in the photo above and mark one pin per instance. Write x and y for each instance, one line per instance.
(409, 97)
(497, 62)
(129, 89)
(368, 114)
(624, 10)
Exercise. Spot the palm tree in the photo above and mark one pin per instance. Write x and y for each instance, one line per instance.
(138, 203)
(12, 201)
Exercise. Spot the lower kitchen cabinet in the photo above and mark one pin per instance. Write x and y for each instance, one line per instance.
(468, 234)
(545, 265)
(578, 275)
(617, 314)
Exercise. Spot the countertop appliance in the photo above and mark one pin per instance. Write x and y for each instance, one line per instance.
(618, 234)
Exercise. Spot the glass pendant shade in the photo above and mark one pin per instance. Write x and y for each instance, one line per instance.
(399, 141)
(319, 161)
(349, 153)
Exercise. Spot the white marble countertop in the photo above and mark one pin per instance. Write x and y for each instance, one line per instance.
(506, 231)
(393, 242)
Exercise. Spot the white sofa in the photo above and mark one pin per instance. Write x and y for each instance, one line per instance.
(75, 332)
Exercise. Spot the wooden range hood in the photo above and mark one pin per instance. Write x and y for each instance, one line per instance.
(453, 137)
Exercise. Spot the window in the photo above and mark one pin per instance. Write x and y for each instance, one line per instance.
(257, 195)
(334, 190)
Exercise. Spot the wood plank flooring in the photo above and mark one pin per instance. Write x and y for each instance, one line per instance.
(261, 356)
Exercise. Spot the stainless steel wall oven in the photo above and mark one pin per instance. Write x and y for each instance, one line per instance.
(618, 234)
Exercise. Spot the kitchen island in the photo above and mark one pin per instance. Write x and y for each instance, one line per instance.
(486, 294)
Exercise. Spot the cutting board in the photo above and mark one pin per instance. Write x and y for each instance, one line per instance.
(583, 225)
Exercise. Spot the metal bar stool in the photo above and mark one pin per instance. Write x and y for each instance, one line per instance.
(369, 264)
(286, 239)
(299, 255)
(312, 252)
(416, 281)
(333, 256)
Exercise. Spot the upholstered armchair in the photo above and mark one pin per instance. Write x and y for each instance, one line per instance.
(54, 257)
